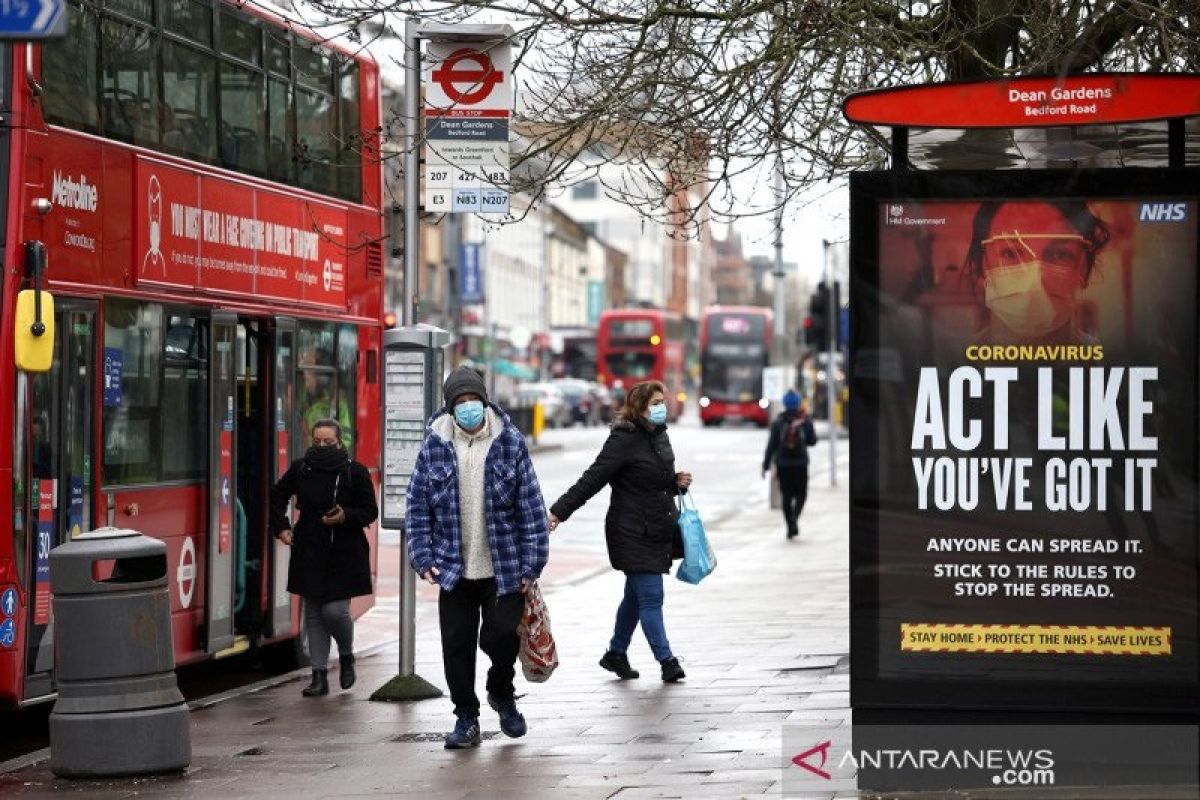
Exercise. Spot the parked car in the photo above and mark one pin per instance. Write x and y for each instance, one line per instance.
(580, 400)
(556, 411)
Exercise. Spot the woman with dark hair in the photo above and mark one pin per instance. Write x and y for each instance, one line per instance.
(1031, 258)
(641, 528)
(331, 559)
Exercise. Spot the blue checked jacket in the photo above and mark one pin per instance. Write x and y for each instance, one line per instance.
(513, 506)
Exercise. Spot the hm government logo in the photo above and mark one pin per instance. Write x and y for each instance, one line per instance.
(895, 214)
(78, 195)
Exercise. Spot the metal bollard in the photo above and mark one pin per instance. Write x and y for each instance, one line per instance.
(119, 710)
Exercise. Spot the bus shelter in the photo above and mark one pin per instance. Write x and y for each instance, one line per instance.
(1024, 406)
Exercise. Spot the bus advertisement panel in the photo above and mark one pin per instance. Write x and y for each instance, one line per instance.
(635, 345)
(735, 345)
(1024, 490)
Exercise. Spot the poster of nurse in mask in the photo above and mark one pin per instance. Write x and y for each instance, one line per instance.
(1024, 443)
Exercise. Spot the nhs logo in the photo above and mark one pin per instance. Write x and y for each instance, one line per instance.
(1163, 212)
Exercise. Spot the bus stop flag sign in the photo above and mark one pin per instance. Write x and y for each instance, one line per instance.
(33, 19)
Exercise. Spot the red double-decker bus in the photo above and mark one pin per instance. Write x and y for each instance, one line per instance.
(735, 344)
(638, 344)
(202, 177)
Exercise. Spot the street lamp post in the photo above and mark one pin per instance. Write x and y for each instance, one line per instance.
(830, 367)
(547, 276)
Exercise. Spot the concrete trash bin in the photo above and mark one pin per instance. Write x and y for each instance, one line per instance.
(119, 710)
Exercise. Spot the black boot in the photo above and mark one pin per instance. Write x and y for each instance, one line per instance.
(619, 663)
(671, 671)
(319, 685)
(346, 674)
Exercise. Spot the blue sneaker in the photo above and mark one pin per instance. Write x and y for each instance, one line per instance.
(511, 721)
(465, 733)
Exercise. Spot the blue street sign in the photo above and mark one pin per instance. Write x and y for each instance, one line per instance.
(595, 298)
(33, 19)
(470, 273)
(8, 602)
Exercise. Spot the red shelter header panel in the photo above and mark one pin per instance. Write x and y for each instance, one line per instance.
(1094, 99)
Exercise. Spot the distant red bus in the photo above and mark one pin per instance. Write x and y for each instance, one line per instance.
(200, 177)
(735, 344)
(637, 344)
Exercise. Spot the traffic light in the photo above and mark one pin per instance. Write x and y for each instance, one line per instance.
(817, 324)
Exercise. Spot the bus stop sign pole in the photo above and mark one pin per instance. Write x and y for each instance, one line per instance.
(413, 355)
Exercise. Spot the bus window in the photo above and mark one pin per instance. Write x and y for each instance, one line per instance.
(347, 366)
(189, 95)
(280, 131)
(628, 364)
(351, 137)
(141, 10)
(314, 141)
(130, 81)
(69, 74)
(185, 370)
(133, 349)
(321, 387)
(189, 19)
(243, 119)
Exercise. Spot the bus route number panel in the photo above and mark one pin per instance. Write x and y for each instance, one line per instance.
(403, 427)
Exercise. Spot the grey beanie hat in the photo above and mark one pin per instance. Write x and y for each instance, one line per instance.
(463, 380)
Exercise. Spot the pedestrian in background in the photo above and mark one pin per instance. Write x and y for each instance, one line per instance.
(331, 559)
(640, 529)
(476, 527)
(792, 434)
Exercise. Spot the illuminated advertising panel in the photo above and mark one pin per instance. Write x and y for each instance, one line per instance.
(1024, 448)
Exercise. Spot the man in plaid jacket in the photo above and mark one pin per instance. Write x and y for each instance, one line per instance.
(476, 527)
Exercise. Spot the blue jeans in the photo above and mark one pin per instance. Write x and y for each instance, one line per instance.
(643, 602)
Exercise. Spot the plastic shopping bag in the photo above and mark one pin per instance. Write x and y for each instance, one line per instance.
(698, 556)
(538, 654)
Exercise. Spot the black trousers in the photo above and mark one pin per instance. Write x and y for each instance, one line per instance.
(793, 486)
(460, 613)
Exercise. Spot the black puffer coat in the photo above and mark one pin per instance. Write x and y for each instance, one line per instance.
(641, 527)
(328, 563)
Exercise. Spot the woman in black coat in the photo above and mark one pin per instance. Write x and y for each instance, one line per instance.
(641, 528)
(331, 559)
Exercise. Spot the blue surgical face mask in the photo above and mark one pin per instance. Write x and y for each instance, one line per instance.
(658, 414)
(469, 414)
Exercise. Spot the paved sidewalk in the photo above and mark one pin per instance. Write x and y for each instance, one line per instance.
(764, 642)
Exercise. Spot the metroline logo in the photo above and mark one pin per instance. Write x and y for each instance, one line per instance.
(75, 194)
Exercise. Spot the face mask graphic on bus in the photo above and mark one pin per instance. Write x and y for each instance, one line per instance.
(1030, 280)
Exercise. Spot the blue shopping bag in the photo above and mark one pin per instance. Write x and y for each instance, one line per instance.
(698, 556)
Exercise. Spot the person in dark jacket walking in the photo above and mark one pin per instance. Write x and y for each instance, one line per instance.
(792, 434)
(641, 528)
(476, 527)
(331, 559)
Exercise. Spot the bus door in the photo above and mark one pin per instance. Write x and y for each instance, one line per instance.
(58, 427)
(222, 484)
(283, 394)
